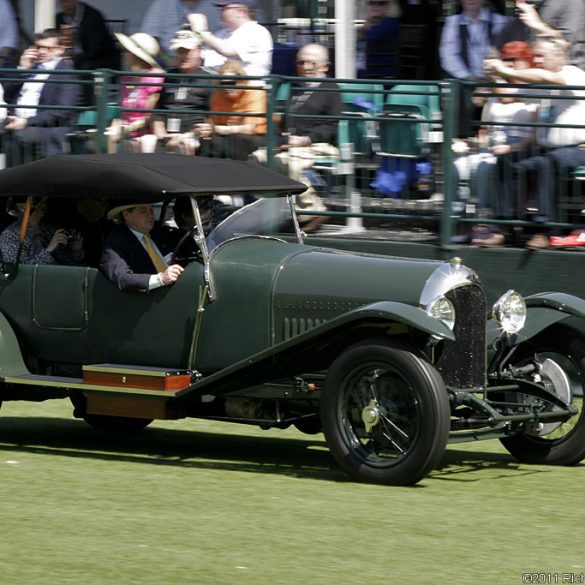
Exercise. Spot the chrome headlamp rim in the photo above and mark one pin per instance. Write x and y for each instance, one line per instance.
(509, 311)
(442, 309)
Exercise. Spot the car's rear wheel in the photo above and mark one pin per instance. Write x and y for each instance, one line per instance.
(385, 413)
(560, 353)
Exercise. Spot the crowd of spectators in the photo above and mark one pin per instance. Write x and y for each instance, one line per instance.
(183, 44)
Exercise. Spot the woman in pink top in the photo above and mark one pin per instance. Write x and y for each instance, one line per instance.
(135, 125)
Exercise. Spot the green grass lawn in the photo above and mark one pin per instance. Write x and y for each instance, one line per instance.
(206, 503)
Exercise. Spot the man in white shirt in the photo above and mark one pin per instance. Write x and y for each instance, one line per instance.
(560, 148)
(131, 259)
(242, 38)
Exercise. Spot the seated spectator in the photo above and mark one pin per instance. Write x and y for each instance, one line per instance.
(304, 139)
(242, 38)
(234, 136)
(476, 170)
(131, 259)
(564, 19)
(556, 146)
(379, 40)
(42, 243)
(135, 126)
(178, 130)
(33, 130)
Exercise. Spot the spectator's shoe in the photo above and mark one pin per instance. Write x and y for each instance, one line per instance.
(538, 242)
(572, 240)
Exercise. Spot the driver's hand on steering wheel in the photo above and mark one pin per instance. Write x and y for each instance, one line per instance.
(171, 274)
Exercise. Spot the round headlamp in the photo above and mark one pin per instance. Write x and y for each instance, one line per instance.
(510, 312)
(443, 310)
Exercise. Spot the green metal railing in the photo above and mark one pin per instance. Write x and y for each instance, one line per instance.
(356, 171)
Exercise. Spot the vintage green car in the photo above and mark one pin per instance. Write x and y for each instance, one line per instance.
(389, 357)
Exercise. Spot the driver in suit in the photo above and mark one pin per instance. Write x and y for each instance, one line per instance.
(131, 259)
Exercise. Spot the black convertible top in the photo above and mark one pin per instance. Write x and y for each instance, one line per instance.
(142, 177)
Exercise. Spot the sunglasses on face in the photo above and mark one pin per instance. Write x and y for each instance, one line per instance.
(309, 62)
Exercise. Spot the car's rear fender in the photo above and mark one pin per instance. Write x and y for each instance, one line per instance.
(314, 349)
(11, 362)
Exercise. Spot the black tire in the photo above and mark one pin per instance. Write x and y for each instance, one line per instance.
(407, 407)
(562, 352)
(116, 423)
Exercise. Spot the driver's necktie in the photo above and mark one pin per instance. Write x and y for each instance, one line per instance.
(156, 259)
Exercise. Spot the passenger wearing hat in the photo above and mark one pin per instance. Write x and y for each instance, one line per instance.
(141, 51)
(242, 38)
(177, 130)
(131, 259)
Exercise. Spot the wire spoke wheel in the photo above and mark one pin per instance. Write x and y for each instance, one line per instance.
(560, 354)
(385, 414)
(378, 414)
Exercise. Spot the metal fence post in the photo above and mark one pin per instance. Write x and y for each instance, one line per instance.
(451, 91)
(102, 79)
(271, 126)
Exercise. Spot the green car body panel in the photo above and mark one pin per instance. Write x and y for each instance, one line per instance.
(266, 292)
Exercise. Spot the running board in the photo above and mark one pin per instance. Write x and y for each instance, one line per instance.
(116, 379)
(116, 390)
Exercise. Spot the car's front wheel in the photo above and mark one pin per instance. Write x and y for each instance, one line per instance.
(385, 413)
(559, 354)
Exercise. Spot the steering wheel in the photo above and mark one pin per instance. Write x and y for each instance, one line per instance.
(175, 257)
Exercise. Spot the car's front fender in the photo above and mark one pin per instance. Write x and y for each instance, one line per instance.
(306, 351)
(543, 310)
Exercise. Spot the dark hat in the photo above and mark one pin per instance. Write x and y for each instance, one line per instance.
(249, 3)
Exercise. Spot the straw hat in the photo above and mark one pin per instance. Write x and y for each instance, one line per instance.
(141, 45)
(116, 212)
